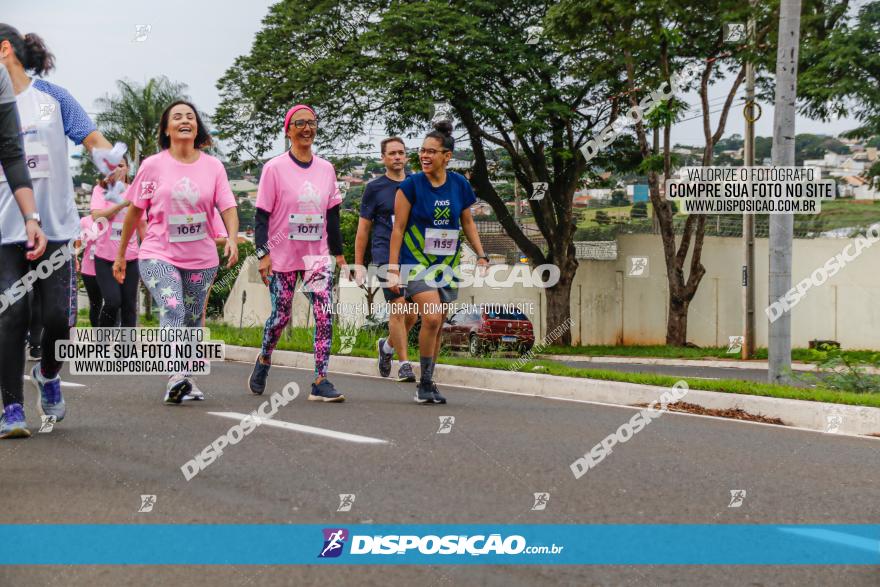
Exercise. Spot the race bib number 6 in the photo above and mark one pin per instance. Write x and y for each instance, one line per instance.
(440, 241)
(184, 228)
(37, 160)
(306, 227)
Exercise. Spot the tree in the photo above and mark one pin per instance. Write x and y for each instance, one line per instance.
(619, 199)
(387, 63)
(639, 211)
(602, 218)
(843, 68)
(643, 43)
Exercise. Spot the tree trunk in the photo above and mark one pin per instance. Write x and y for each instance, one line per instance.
(676, 325)
(559, 304)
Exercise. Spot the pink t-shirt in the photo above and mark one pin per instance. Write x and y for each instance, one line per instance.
(108, 243)
(180, 199)
(297, 200)
(87, 264)
(217, 225)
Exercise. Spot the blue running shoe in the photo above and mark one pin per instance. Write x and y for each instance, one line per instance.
(438, 399)
(12, 422)
(425, 393)
(51, 401)
(257, 381)
(384, 359)
(325, 392)
(405, 373)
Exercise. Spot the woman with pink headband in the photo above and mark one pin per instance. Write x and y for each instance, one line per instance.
(299, 200)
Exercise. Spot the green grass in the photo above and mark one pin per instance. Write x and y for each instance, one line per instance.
(300, 339)
(669, 352)
(842, 213)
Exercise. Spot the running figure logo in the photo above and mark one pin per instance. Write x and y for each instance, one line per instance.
(539, 190)
(832, 423)
(46, 111)
(735, 344)
(734, 32)
(346, 500)
(737, 496)
(638, 267)
(446, 423)
(334, 540)
(47, 423)
(541, 500)
(141, 32)
(147, 503)
(534, 33)
(346, 343)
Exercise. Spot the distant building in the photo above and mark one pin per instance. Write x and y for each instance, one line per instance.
(638, 192)
(242, 185)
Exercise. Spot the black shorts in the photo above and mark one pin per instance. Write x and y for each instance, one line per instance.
(447, 294)
(390, 296)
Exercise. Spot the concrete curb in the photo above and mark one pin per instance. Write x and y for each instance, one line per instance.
(849, 420)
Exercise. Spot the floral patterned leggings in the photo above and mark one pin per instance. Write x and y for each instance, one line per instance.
(318, 288)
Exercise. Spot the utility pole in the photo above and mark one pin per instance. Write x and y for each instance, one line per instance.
(748, 271)
(782, 225)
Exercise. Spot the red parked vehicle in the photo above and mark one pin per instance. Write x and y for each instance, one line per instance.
(487, 327)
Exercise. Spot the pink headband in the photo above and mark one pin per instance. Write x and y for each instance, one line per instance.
(293, 111)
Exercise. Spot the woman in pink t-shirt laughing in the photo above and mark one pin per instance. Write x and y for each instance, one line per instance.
(180, 187)
(298, 204)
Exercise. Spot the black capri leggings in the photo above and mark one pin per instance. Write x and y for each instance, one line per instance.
(117, 296)
(95, 300)
(57, 297)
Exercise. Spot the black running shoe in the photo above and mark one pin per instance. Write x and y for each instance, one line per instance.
(384, 359)
(257, 381)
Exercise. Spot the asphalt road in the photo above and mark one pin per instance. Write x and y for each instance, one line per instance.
(119, 441)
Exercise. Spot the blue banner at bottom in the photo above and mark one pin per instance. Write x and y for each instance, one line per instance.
(424, 544)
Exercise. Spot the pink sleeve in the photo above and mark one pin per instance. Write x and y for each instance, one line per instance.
(224, 199)
(217, 225)
(266, 189)
(97, 202)
(145, 183)
(335, 194)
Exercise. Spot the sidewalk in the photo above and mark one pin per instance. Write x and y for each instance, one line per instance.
(818, 416)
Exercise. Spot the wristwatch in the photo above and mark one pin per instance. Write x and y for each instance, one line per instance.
(486, 257)
(33, 216)
(262, 252)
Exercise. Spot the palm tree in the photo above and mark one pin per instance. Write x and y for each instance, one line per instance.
(132, 116)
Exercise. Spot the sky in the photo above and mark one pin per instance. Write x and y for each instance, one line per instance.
(195, 41)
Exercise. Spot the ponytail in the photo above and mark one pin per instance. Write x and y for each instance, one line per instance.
(30, 50)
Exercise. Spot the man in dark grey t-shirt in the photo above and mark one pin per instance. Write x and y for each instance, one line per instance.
(377, 214)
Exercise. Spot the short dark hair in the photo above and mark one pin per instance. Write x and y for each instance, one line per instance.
(203, 138)
(443, 133)
(391, 140)
(29, 49)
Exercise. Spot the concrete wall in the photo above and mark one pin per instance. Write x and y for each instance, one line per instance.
(610, 307)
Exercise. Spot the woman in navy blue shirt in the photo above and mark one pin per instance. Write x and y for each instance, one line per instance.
(431, 210)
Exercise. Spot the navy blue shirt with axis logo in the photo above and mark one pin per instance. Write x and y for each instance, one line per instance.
(377, 206)
(433, 230)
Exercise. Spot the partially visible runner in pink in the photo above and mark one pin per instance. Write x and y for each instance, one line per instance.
(298, 205)
(180, 187)
(119, 300)
(86, 268)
